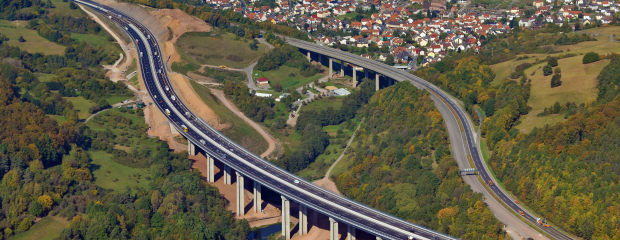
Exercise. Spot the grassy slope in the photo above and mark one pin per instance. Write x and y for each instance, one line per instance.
(97, 41)
(102, 163)
(82, 105)
(578, 85)
(47, 228)
(34, 43)
(602, 46)
(116, 99)
(241, 132)
(218, 47)
(318, 169)
(282, 75)
(63, 9)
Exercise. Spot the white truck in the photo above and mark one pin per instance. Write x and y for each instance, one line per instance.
(167, 112)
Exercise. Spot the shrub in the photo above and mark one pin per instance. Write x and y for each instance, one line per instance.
(547, 70)
(590, 57)
(557, 70)
(234, 58)
(553, 62)
(21, 39)
(555, 80)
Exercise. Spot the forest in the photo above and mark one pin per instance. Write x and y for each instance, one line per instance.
(45, 166)
(401, 164)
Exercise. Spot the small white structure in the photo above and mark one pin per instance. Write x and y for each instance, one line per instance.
(341, 92)
(263, 95)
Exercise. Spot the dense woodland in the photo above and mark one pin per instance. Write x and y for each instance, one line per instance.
(401, 164)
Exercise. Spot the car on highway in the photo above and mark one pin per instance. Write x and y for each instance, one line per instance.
(296, 181)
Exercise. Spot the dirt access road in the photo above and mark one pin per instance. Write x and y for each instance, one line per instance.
(272, 142)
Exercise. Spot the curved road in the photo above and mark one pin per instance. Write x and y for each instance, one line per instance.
(245, 163)
(465, 130)
(343, 210)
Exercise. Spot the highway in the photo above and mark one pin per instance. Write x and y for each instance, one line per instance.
(215, 144)
(344, 210)
(466, 129)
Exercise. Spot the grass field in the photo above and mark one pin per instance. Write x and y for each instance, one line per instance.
(116, 99)
(44, 77)
(63, 9)
(240, 132)
(98, 41)
(602, 46)
(34, 43)
(213, 49)
(323, 103)
(58, 118)
(578, 85)
(48, 228)
(351, 15)
(607, 30)
(81, 105)
(105, 171)
(283, 76)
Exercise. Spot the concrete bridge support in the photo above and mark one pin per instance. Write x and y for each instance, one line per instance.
(378, 238)
(342, 64)
(354, 80)
(333, 229)
(303, 220)
(309, 59)
(240, 197)
(286, 218)
(377, 81)
(365, 73)
(330, 68)
(191, 148)
(257, 197)
(227, 175)
(210, 169)
(351, 233)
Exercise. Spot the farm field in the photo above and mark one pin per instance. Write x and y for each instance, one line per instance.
(219, 49)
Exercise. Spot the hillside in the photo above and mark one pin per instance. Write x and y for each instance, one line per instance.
(570, 172)
(401, 164)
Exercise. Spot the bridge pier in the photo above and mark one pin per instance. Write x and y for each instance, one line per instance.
(365, 73)
(342, 64)
(330, 68)
(333, 229)
(377, 81)
(354, 80)
(191, 148)
(257, 197)
(286, 218)
(378, 238)
(240, 198)
(320, 59)
(303, 220)
(309, 59)
(227, 173)
(351, 233)
(210, 169)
